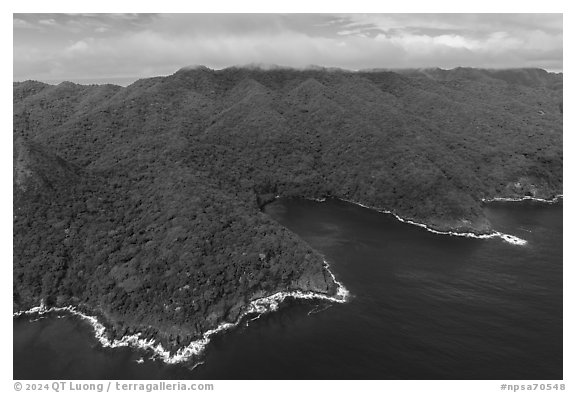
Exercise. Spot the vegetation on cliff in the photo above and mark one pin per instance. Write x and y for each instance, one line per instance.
(141, 204)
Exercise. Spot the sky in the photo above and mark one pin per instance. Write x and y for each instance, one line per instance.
(120, 48)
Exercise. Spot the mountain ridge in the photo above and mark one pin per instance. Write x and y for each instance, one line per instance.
(172, 173)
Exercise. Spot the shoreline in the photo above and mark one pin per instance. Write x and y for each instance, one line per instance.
(556, 199)
(515, 240)
(511, 239)
(266, 304)
(195, 348)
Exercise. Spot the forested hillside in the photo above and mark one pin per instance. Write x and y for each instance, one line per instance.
(142, 204)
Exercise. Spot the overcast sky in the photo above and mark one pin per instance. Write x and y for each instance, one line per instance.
(123, 47)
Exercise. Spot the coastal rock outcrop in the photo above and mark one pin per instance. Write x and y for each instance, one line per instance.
(142, 204)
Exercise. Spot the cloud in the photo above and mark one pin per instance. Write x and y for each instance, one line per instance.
(470, 23)
(22, 24)
(47, 22)
(78, 46)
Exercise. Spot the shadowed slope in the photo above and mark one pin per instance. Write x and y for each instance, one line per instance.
(149, 214)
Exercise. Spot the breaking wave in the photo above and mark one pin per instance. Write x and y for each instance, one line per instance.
(504, 236)
(195, 348)
(525, 198)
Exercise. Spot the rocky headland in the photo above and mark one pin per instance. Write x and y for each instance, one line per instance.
(141, 205)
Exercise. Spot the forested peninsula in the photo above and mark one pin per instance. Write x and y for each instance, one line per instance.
(142, 204)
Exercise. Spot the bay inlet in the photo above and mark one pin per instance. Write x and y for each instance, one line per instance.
(422, 306)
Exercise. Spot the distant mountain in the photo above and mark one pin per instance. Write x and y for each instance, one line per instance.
(142, 204)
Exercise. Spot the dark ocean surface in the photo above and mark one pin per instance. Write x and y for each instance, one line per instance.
(423, 306)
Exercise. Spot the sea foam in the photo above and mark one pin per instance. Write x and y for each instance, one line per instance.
(504, 236)
(525, 198)
(195, 348)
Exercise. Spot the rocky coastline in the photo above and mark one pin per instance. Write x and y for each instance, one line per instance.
(119, 333)
(141, 205)
(114, 334)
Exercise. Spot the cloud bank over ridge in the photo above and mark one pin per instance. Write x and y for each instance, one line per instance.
(79, 46)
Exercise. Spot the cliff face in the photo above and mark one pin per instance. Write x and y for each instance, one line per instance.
(142, 203)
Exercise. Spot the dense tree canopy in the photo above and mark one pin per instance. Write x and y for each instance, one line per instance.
(142, 204)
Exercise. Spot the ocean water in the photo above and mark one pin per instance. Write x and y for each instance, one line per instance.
(423, 306)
